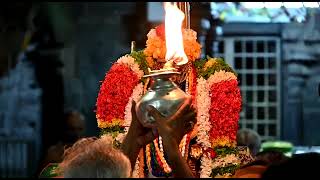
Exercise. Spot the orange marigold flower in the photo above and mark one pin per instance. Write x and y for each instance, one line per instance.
(156, 45)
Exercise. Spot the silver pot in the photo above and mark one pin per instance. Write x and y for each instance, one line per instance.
(163, 94)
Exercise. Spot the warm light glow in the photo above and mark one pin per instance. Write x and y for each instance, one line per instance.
(173, 32)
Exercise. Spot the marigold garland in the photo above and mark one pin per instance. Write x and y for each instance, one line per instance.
(156, 46)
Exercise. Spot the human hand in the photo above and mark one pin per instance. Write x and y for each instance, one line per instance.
(137, 137)
(177, 125)
(172, 131)
(138, 133)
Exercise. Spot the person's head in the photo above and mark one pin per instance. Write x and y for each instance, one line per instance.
(249, 138)
(94, 158)
(271, 157)
(301, 165)
(74, 126)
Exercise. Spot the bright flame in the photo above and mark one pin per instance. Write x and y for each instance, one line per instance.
(174, 41)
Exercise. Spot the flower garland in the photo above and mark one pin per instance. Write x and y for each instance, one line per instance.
(211, 123)
(224, 116)
(203, 125)
(224, 161)
(155, 50)
(110, 112)
(160, 155)
(110, 103)
(216, 83)
(229, 159)
(130, 62)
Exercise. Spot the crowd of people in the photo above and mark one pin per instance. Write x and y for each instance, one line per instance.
(100, 158)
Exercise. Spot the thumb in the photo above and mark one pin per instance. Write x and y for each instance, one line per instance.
(133, 110)
(158, 117)
(133, 106)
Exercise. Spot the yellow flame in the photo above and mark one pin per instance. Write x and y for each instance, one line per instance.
(173, 32)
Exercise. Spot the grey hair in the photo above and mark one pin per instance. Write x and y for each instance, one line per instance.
(95, 158)
(250, 138)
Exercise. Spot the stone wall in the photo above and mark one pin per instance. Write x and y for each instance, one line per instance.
(301, 101)
(99, 39)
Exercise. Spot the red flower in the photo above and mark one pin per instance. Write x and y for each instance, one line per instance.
(160, 31)
(115, 92)
(211, 153)
(225, 109)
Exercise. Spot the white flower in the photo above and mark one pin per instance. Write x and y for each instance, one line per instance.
(205, 167)
(220, 76)
(136, 95)
(224, 161)
(203, 118)
(135, 172)
(130, 62)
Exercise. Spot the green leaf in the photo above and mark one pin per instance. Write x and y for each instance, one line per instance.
(223, 151)
(50, 171)
(140, 58)
(224, 170)
(220, 65)
(113, 131)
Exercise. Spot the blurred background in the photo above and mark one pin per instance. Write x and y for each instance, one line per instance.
(53, 56)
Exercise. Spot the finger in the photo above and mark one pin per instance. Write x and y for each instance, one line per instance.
(155, 114)
(133, 108)
(185, 117)
(146, 139)
(185, 107)
(185, 121)
(187, 102)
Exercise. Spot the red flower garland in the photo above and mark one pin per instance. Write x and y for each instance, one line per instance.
(115, 92)
(225, 110)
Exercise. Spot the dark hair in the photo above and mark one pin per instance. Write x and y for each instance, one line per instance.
(271, 157)
(299, 165)
(249, 138)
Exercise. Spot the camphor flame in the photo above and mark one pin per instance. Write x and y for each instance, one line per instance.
(173, 32)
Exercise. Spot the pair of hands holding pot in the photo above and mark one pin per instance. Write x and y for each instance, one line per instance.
(171, 130)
